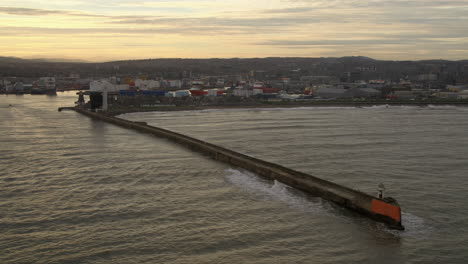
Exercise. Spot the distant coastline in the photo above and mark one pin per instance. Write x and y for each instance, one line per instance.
(326, 103)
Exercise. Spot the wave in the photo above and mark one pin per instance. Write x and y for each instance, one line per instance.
(415, 227)
(240, 109)
(386, 106)
(444, 106)
(276, 190)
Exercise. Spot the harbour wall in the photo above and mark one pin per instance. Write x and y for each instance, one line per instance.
(380, 210)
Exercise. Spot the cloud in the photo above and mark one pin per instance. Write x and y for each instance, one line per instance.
(271, 23)
(262, 26)
(374, 39)
(170, 4)
(30, 11)
(288, 10)
(381, 3)
(336, 42)
(109, 31)
(408, 45)
(42, 12)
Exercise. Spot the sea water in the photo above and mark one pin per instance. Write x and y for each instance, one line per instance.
(76, 190)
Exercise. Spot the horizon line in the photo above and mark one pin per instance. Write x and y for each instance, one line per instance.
(72, 60)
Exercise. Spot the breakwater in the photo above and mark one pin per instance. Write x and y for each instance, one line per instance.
(382, 210)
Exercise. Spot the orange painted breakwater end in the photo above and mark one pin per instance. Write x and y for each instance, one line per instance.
(383, 208)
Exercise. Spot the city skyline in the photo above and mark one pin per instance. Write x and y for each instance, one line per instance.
(104, 30)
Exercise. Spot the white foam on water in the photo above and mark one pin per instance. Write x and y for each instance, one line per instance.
(386, 106)
(377, 106)
(304, 108)
(289, 108)
(324, 107)
(442, 106)
(407, 107)
(415, 227)
(275, 190)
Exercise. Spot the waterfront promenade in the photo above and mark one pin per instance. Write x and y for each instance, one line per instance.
(136, 106)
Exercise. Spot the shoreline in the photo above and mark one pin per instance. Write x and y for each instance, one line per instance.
(124, 110)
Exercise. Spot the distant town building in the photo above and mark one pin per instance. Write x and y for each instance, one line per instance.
(243, 92)
(427, 77)
(463, 94)
(174, 83)
(74, 75)
(328, 92)
(147, 84)
(456, 88)
(101, 85)
(258, 75)
(367, 68)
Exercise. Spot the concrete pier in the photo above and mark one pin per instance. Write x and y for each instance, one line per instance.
(383, 210)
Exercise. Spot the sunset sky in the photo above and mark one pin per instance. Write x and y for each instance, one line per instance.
(102, 30)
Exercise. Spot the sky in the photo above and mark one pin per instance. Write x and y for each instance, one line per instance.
(104, 30)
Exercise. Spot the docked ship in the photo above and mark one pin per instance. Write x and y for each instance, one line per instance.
(197, 89)
(45, 85)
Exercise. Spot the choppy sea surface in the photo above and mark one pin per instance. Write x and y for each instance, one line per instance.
(75, 190)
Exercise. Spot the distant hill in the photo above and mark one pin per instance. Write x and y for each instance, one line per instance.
(58, 60)
(5, 59)
(361, 67)
(10, 59)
